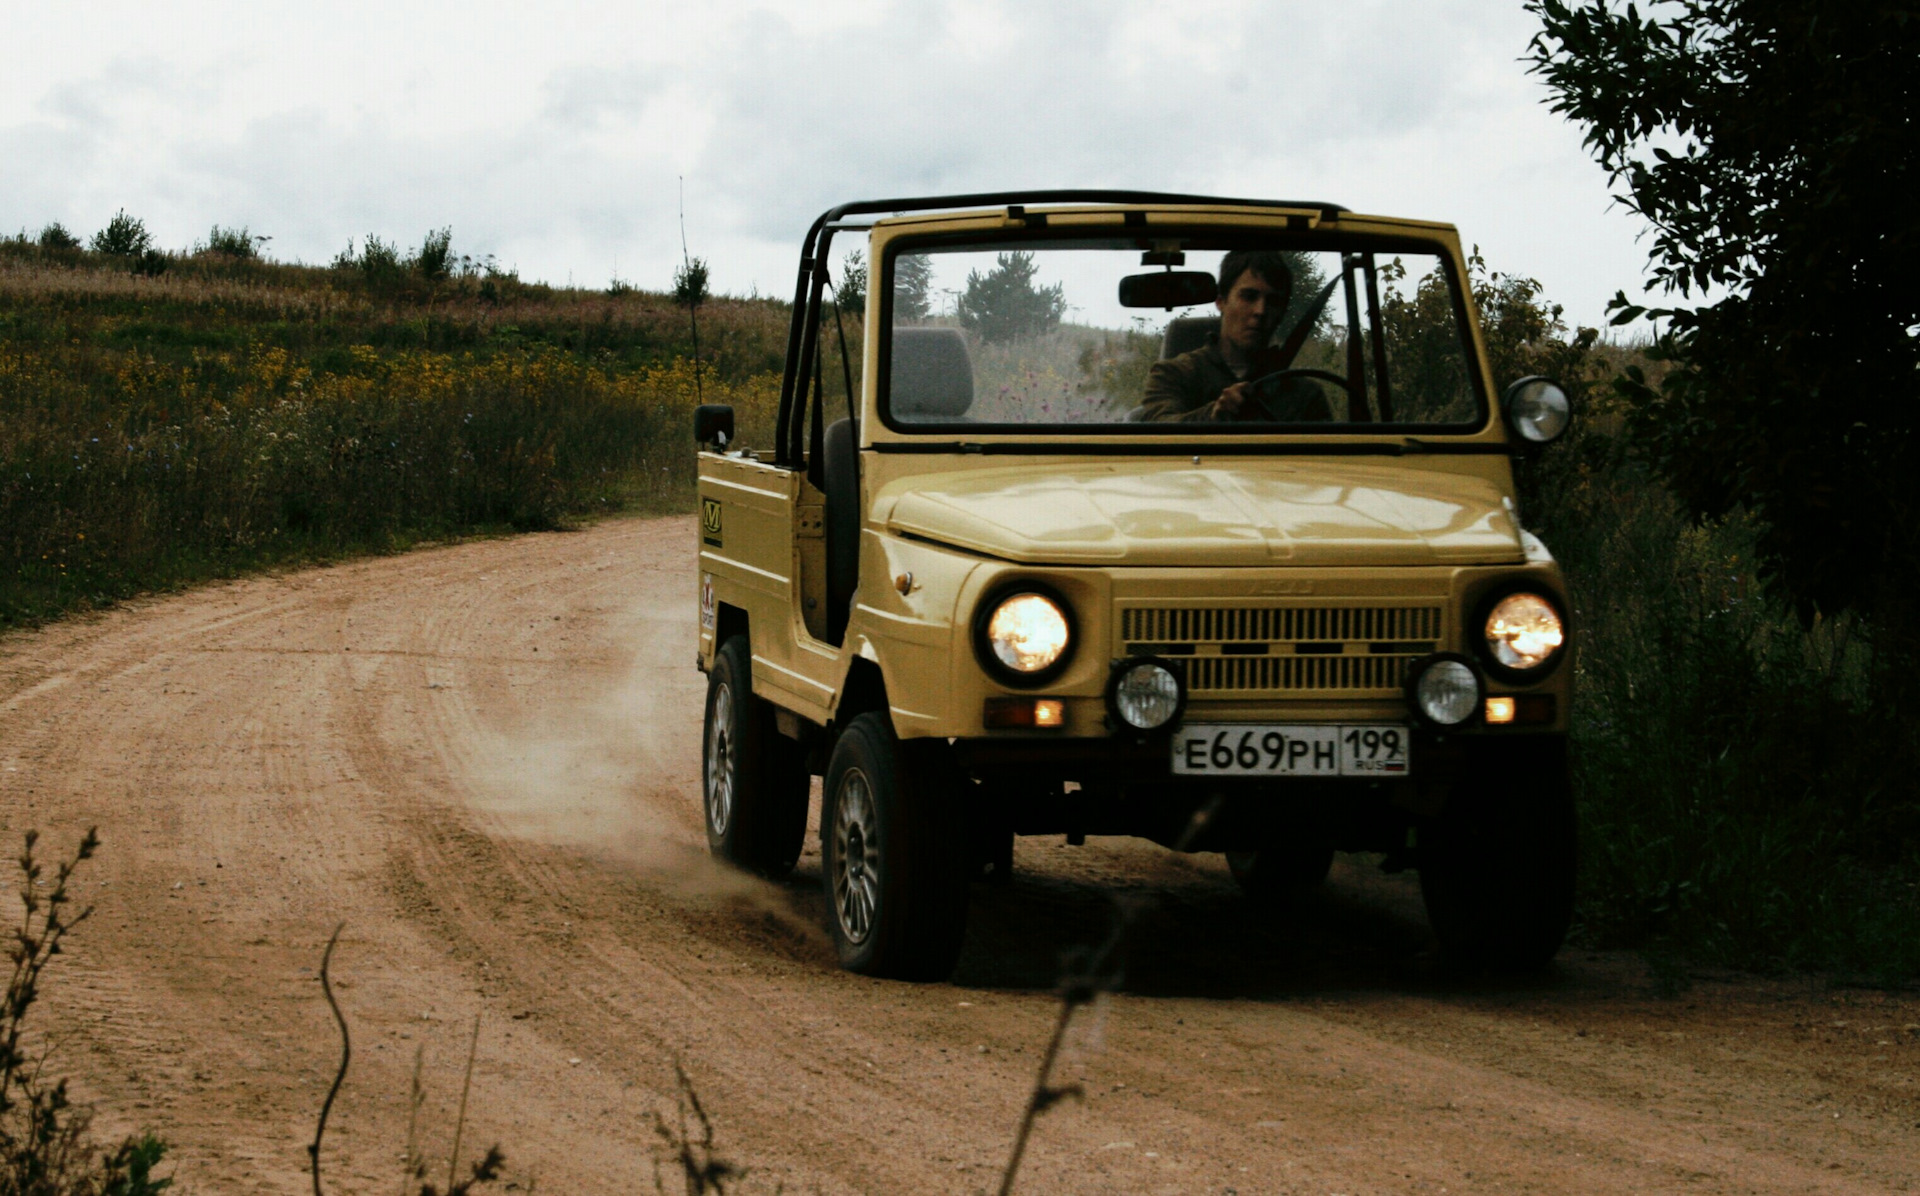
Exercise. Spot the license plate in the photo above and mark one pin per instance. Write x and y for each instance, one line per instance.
(1291, 750)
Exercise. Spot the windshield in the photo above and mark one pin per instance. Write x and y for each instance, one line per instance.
(1147, 335)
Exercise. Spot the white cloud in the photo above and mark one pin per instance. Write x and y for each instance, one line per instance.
(554, 136)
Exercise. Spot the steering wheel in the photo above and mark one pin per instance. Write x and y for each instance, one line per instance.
(1266, 388)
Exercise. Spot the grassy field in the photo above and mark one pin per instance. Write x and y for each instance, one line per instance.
(229, 413)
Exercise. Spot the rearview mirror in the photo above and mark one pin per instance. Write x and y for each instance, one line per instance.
(1168, 289)
(713, 421)
(1537, 409)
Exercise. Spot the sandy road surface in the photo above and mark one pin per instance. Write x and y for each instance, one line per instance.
(484, 759)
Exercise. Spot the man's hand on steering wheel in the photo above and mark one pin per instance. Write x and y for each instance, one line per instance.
(1259, 394)
(1233, 401)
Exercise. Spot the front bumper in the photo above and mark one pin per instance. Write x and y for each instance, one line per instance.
(1126, 786)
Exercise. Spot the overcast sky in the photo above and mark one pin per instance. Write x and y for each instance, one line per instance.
(553, 135)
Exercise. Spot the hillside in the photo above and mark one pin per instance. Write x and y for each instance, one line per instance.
(169, 418)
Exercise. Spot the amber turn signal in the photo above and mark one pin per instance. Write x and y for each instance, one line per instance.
(1520, 709)
(1002, 713)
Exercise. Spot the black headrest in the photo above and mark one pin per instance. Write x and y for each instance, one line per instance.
(931, 374)
(1187, 333)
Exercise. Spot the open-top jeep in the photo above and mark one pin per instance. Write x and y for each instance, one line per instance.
(1059, 535)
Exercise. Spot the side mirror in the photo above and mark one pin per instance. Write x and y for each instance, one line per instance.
(713, 421)
(1168, 289)
(1537, 410)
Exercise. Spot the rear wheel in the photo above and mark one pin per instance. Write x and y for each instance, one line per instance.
(1497, 867)
(895, 854)
(753, 778)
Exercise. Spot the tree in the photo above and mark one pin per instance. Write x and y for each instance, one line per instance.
(434, 262)
(690, 283)
(1771, 145)
(851, 294)
(1004, 303)
(124, 236)
(56, 236)
(912, 280)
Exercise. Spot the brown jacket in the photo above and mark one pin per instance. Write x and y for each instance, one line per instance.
(1184, 388)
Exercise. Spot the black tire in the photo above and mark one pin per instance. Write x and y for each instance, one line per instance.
(1284, 875)
(1497, 867)
(894, 853)
(753, 780)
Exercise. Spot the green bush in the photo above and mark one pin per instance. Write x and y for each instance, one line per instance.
(434, 262)
(1738, 773)
(56, 237)
(123, 237)
(233, 242)
(690, 283)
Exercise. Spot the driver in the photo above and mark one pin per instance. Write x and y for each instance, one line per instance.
(1211, 382)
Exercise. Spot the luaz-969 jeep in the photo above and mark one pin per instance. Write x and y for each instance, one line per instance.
(1066, 537)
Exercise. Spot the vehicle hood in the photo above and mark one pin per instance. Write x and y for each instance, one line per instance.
(1259, 513)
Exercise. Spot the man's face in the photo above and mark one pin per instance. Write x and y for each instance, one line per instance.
(1250, 311)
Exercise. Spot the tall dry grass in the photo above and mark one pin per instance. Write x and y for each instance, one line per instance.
(226, 415)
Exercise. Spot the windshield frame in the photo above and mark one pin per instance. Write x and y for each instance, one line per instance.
(1082, 437)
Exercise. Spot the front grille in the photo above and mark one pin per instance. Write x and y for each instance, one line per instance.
(1350, 651)
(1310, 624)
(1209, 674)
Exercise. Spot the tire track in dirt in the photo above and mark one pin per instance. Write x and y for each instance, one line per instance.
(484, 759)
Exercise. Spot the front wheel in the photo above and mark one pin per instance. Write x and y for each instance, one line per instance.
(1497, 867)
(895, 854)
(754, 781)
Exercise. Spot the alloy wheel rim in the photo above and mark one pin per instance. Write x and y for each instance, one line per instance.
(720, 752)
(856, 857)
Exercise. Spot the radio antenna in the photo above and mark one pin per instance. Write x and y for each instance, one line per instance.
(693, 286)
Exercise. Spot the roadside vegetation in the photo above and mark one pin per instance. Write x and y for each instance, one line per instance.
(1739, 769)
(166, 418)
(1747, 542)
(47, 1144)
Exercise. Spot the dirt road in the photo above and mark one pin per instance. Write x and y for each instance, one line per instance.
(484, 759)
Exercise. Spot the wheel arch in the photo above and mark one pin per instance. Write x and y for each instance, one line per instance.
(863, 690)
(729, 621)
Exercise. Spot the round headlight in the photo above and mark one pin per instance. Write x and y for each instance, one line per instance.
(1146, 695)
(1028, 633)
(1537, 409)
(1446, 691)
(1523, 631)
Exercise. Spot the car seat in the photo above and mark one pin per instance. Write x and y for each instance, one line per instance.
(1184, 334)
(931, 379)
(931, 375)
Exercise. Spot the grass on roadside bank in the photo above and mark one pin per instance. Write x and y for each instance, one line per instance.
(158, 431)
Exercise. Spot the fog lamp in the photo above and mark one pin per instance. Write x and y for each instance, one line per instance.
(1444, 690)
(1145, 695)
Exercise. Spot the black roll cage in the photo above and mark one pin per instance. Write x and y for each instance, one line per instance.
(803, 334)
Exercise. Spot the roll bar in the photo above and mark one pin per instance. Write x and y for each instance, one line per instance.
(801, 335)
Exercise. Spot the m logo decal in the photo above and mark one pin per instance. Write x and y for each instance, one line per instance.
(710, 522)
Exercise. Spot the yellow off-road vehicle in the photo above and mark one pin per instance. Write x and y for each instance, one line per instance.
(1120, 513)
